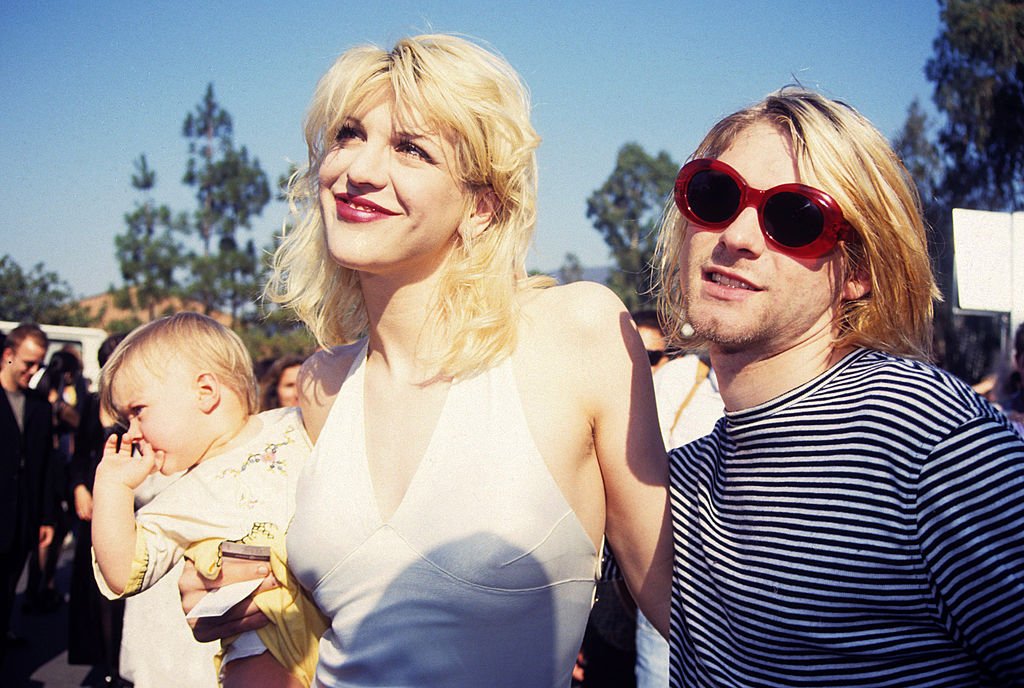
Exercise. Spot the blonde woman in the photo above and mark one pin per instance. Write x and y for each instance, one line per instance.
(477, 432)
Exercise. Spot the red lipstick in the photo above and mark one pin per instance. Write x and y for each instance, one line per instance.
(359, 209)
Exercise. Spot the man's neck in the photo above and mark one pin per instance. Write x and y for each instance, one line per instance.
(10, 386)
(749, 378)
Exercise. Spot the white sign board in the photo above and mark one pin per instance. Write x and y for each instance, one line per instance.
(988, 260)
(983, 259)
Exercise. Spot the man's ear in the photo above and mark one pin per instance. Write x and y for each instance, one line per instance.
(857, 286)
(207, 389)
(481, 215)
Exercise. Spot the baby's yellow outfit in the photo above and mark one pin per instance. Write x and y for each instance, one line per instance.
(245, 495)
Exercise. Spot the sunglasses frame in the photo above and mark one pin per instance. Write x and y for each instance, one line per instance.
(834, 225)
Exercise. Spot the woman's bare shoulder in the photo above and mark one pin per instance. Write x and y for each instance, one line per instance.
(567, 332)
(326, 364)
(576, 307)
(319, 381)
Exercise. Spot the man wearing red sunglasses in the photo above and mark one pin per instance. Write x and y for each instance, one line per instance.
(857, 517)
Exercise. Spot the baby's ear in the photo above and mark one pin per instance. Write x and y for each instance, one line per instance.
(207, 389)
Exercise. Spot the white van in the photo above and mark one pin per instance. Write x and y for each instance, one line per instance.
(85, 340)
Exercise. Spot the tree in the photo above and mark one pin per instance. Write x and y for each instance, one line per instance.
(270, 331)
(231, 190)
(571, 270)
(915, 146)
(920, 155)
(978, 72)
(626, 210)
(276, 332)
(38, 296)
(236, 281)
(148, 251)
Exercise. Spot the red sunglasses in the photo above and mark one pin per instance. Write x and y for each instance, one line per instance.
(795, 219)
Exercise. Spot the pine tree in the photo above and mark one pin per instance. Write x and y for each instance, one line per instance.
(231, 189)
(149, 251)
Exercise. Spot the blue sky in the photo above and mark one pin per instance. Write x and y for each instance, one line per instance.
(88, 86)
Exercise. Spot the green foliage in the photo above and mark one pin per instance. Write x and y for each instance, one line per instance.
(571, 270)
(978, 72)
(977, 159)
(283, 181)
(915, 146)
(38, 295)
(231, 189)
(238, 279)
(224, 273)
(626, 210)
(921, 156)
(123, 324)
(271, 333)
(149, 251)
(267, 330)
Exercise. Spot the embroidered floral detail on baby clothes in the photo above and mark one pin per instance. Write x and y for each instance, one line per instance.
(267, 458)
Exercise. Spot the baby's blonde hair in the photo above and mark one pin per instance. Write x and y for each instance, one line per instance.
(476, 100)
(851, 160)
(193, 338)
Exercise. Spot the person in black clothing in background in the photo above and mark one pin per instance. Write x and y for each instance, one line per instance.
(1011, 399)
(94, 623)
(26, 443)
(64, 387)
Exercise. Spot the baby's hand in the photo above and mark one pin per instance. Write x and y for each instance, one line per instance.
(119, 466)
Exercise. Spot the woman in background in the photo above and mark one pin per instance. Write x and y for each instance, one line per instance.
(279, 385)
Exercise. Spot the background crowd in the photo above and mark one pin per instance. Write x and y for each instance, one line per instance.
(53, 428)
(118, 639)
(620, 648)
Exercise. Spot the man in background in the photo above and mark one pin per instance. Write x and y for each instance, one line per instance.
(26, 444)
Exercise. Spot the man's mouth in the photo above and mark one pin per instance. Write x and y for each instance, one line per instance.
(726, 281)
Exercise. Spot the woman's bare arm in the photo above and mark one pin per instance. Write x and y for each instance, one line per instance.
(631, 455)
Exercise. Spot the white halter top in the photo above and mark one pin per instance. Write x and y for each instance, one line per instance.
(482, 576)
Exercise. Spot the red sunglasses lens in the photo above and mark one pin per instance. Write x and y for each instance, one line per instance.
(792, 219)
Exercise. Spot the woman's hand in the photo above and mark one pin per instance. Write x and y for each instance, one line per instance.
(244, 616)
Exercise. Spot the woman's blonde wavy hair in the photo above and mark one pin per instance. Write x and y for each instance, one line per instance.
(476, 100)
(850, 160)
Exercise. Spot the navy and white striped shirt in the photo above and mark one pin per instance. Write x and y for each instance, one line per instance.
(864, 529)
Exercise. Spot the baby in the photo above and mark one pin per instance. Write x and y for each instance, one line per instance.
(184, 387)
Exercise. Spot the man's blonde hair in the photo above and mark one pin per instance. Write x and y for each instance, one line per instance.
(851, 161)
(198, 340)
